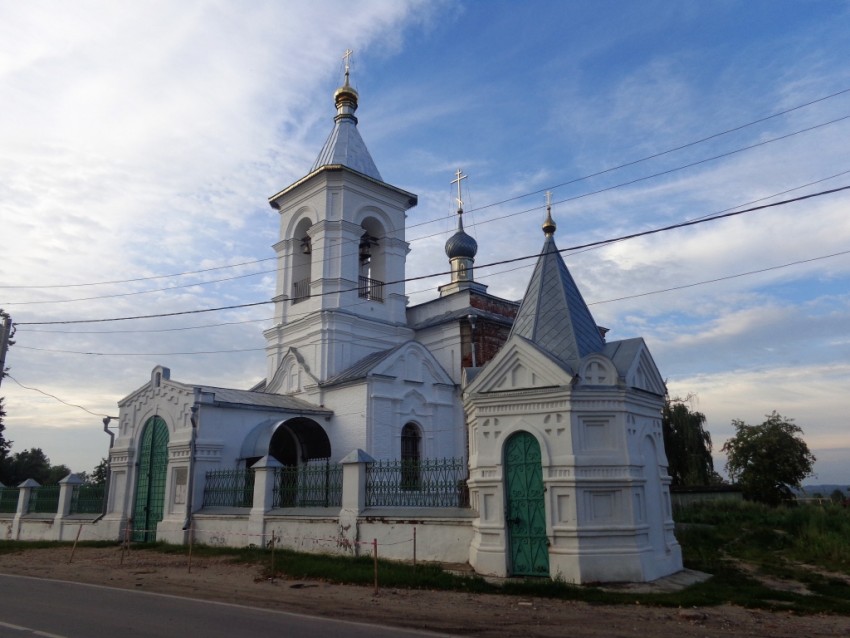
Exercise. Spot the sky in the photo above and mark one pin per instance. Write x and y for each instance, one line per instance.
(141, 141)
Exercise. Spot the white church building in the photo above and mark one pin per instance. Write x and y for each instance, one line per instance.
(511, 435)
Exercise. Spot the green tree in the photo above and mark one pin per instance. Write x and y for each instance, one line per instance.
(34, 464)
(767, 460)
(98, 474)
(687, 444)
(5, 447)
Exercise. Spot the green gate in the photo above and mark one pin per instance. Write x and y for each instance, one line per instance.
(525, 507)
(150, 486)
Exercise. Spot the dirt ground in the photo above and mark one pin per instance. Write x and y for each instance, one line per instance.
(447, 612)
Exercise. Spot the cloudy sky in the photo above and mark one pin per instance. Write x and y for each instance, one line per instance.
(139, 143)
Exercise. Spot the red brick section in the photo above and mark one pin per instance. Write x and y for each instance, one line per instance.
(490, 335)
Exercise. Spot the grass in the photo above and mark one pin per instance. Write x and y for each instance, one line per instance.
(749, 549)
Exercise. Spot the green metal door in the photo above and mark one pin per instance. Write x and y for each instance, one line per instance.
(525, 507)
(150, 486)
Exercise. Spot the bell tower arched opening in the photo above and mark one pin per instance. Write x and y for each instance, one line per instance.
(301, 259)
(373, 261)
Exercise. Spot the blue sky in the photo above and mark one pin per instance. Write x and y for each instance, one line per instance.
(144, 140)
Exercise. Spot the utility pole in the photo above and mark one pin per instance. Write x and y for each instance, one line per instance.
(6, 332)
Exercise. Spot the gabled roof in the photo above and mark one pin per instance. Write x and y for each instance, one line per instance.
(231, 397)
(553, 314)
(362, 368)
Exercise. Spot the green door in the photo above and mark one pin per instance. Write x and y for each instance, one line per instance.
(150, 486)
(526, 510)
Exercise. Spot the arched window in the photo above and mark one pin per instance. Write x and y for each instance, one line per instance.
(411, 455)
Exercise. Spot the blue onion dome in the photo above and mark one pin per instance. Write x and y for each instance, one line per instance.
(460, 244)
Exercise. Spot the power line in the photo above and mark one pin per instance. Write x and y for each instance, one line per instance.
(139, 292)
(662, 153)
(421, 290)
(53, 396)
(142, 354)
(486, 221)
(726, 278)
(504, 201)
(654, 175)
(654, 231)
(592, 303)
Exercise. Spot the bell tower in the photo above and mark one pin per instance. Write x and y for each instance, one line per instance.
(340, 256)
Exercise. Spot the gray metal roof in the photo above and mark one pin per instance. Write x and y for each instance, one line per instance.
(553, 314)
(234, 397)
(344, 145)
(362, 368)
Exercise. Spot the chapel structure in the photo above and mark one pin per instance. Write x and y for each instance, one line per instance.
(560, 429)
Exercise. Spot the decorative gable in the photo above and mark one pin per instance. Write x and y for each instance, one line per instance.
(291, 375)
(520, 365)
(597, 369)
(643, 374)
(412, 363)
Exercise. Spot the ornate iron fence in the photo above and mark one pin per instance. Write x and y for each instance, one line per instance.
(9, 500)
(425, 483)
(87, 499)
(229, 488)
(316, 483)
(44, 499)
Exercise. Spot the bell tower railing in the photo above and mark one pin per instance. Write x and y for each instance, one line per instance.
(370, 289)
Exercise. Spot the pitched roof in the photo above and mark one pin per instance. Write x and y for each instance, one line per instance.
(344, 145)
(362, 368)
(553, 314)
(233, 397)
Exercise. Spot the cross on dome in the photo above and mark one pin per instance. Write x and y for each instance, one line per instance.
(458, 177)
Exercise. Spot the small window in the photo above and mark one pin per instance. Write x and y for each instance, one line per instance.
(411, 455)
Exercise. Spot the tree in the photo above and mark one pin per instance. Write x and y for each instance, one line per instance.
(34, 464)
(5, 447)
(98, 474)
(687, 444)
(767, 460)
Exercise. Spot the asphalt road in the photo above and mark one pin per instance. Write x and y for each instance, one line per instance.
(61, 609)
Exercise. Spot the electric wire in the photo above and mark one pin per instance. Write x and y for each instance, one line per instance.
(421, 290)
(504, 201)
(591, 303)
(53, 396)
(601, 242)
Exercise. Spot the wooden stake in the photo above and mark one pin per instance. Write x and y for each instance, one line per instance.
(375, 560)
(273, 570)
(74, 548)
(191, 542)
(414, 547)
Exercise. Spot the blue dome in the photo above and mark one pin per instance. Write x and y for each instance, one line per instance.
(461, 245)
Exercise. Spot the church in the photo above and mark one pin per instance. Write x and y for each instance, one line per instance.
(551, 432)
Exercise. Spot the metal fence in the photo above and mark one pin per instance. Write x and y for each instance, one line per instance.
(229, 488)
(87, 499)
(9, 500)
(424, 483)
(316, 483)
(44, 499)
(371, 289)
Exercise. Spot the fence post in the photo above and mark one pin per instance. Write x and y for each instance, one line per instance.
(353, 497)
(24, 496)
(66, 495)
(264, 473)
